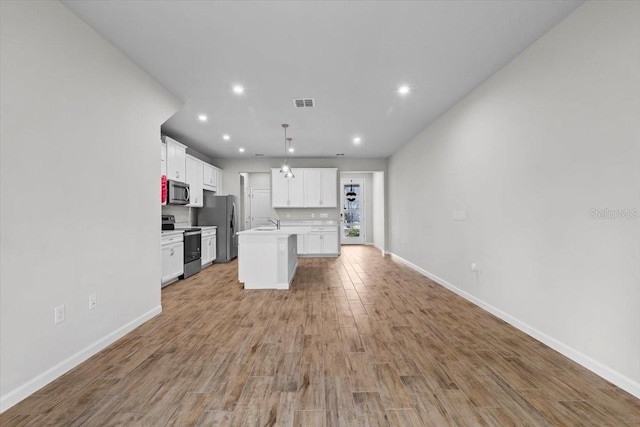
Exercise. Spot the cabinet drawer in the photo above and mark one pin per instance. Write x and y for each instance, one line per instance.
(171, 240)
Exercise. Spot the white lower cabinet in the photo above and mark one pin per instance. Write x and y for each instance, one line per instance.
(322, 242)
(315, 240)
(172, 257)
(330, 242)
(208, 246)
(302, 233)
(314, 243)
(302, 244)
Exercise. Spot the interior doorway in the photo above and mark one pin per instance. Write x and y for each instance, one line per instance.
(255, 199)
(353, 215)
(259, 207)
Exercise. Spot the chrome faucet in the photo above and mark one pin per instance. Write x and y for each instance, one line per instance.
(276, 222)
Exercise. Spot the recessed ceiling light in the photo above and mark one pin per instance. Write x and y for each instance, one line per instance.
(404, 89)
(241, 150)
(356, 140)
(202, 117)
(237, 89)
(226, 137)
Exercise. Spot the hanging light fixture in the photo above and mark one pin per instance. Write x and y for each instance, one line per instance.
(285, 169)
(289, 174)
(351, 195)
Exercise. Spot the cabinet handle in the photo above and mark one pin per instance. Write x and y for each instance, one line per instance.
(172, 252)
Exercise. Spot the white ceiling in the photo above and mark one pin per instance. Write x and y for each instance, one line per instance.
(351, 56)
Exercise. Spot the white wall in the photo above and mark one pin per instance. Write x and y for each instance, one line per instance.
(260, 180)
(80, 210)
(379, 210)
(528, 154)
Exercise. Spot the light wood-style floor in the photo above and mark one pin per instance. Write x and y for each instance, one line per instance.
(359, 340)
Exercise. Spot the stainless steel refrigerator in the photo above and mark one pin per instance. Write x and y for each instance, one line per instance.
(221, 211)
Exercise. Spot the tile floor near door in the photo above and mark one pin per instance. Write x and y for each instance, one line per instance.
(358, 340)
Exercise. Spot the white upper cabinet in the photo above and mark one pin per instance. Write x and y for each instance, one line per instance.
(163, 159)
(311, 188)
(296, 189)
(210, 178)
(287, 193)
(194, 169)
(320, 188)
(279, 189)
(176, 160)
(219, 180)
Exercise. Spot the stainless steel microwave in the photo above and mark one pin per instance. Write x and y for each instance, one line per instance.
(178, 193)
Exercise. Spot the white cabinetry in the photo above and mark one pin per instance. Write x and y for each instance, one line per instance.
(208, 245)
(322, 241)
(210, 178)
(194, 169)
(320, 188)
(176, 157)
(301, 232)
(314, 239)
(287, 193)
(219, 180)
(172, 257)
(163, 158)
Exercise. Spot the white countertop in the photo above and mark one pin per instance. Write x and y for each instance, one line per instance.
(166, 233)
(320, 222)
(267, 231)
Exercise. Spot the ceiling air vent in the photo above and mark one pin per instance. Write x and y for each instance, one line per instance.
(259, 154)
(304, 102)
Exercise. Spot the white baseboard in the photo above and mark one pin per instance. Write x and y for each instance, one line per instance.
(591, 364)
(381, 249)
(35, 384)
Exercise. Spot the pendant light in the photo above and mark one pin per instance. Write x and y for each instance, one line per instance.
(285, 169)
(351, 195)
(289, 174)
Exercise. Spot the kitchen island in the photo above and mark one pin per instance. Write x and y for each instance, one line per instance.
(267, 258)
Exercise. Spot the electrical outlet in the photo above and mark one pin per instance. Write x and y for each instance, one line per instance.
(475, 267)
(92, 301)
(58, 314)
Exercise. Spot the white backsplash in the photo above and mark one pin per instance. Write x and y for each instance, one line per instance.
(291, 214)
(182, 213)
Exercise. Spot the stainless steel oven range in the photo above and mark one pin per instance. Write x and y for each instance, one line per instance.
(192, 251)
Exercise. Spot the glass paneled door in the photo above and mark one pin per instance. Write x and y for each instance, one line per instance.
(353, 219)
